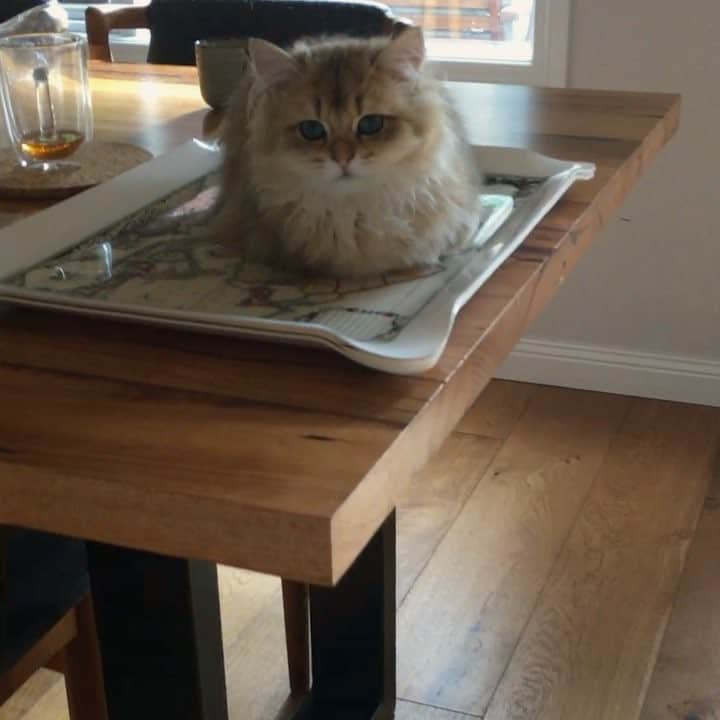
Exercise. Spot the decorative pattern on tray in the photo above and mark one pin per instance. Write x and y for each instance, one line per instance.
(162, 257)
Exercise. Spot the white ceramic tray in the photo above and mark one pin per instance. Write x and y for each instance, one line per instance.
(136, 248)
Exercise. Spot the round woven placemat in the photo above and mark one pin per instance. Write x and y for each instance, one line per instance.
(97, 161)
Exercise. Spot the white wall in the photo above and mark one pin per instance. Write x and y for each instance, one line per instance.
(650, 286)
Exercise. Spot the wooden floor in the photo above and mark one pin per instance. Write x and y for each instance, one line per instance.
(539, 558)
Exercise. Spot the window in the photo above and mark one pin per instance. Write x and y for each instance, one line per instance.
(521, 41)
(128, 45)
(76, 9)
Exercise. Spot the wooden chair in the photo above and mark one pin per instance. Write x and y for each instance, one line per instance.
(174, 27)
(47, 620)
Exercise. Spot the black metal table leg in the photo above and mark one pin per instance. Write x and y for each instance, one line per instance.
(352, 630)
(159, 628)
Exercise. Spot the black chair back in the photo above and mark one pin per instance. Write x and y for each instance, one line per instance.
(175, 25)
(11, 8)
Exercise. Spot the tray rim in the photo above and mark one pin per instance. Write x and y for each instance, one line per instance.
(421, 347)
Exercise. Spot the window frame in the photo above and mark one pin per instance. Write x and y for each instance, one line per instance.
(550, 54)
(547, 68)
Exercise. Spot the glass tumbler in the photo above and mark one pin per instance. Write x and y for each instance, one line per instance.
(46, 97)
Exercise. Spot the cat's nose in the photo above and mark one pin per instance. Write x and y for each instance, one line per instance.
(342, 152)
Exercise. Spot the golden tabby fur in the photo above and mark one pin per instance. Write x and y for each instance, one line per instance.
(347, 203)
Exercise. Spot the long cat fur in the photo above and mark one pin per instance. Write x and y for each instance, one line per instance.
(348, 205)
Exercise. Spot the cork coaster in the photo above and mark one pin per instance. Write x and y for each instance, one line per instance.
(97, 161)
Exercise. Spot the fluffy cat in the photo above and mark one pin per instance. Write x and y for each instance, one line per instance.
(344, 158)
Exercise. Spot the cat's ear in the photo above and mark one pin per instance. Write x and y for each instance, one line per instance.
(405, 54)
(272, 64)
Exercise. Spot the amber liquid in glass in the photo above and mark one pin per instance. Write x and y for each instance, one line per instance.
(62, 144)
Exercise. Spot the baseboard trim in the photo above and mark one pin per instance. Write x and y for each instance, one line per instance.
(588, 367)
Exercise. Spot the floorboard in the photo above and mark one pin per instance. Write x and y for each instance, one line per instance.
(498, 408)
(25, 702)
(414, 711)
(592, 640)
(686, 681)
(463, 618)
(434, 499)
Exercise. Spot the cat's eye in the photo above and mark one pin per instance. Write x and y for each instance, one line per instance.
(370, 124)
(312, 130)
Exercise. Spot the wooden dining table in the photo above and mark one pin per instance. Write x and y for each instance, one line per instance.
(171, 451)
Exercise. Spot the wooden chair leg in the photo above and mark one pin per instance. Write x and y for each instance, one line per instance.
(82, 666)
(297, 635)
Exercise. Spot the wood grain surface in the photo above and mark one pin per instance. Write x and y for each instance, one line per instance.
(481, 591)
(590, 645)
(686, 682)
(415, 711)
(479, 631)
(498, 408)
(279, 459)
(428, 507)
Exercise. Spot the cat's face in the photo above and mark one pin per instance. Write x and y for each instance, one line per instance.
(341, 114)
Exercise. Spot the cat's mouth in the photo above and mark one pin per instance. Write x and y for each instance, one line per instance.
(345, 185)
(346, 181)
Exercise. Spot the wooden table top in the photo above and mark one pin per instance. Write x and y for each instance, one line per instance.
(277, 458)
